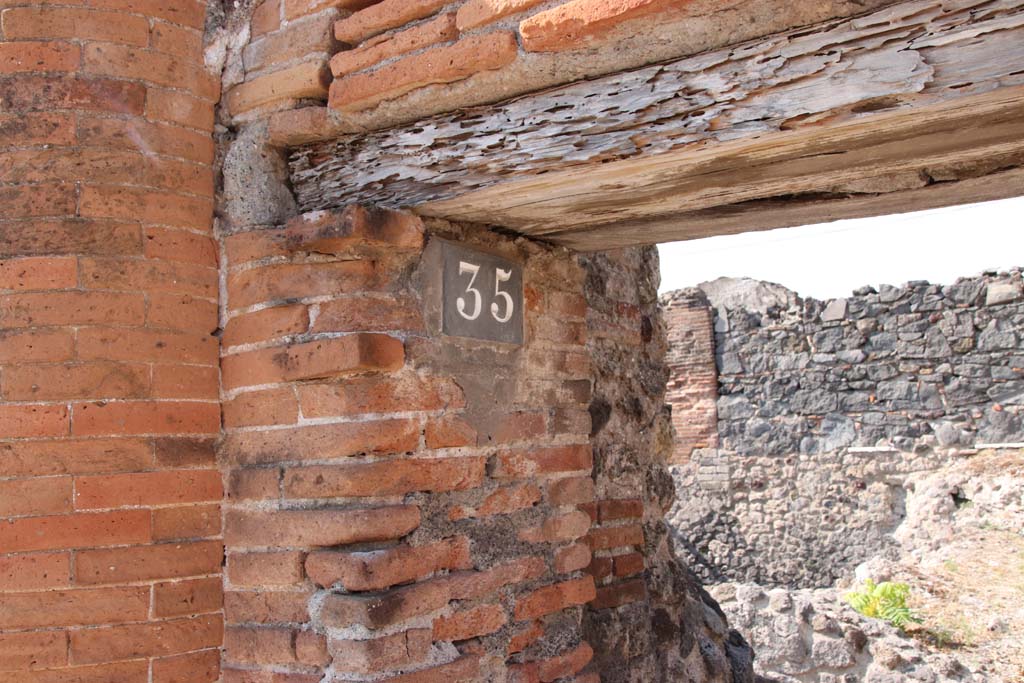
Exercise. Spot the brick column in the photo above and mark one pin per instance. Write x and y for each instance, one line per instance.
(403, 506)
(693, 381)
(110, 556)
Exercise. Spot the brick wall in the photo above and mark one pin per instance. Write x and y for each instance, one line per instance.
(400, 504)
(110, 555)
(693, 376)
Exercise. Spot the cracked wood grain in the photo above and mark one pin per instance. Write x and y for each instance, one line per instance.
(664, 139)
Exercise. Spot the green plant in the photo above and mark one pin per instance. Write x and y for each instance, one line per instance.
(886, 600)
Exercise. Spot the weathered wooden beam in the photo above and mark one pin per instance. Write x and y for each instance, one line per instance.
(919, 93)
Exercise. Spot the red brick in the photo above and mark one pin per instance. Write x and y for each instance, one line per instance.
(255, 484)
(305, 80)
(629, 565)
(477, 13)
(155, 138)
(38, 273)
(74, 608)
(148, 488)
(38, 57)
(244, 247)
(190, 13)
(573, 24)
(600, 567)
(268, 407)
(378, 569)
(182, 311)
(42, 496)
(298, 8)
(571, 491)
(173, 106)
(298, 39)
(313, 360)
(264, 569)
(619, 594)
(555, 598)
(369, 313)
(33, 572)
(165, 208)
(159, 346)
(177, 40)
(363, 395)
(399, 651)
(472, 585)
(567, 527)
(439, 65)
(517, 427)
(120, 61)
(100, 165)
(75, 380)
(187, 522)
(500, 502)
(122, 672)
(182, 598)
(151, 275)
(75, 531)
(49, 93)
(25, 201)
(572, 558)
(610, 510)
(21, 421)
(387, 478)
(537, 461)
(79, 24)
(186, 381)
(321, 442)
(266, 646)
(31, 346)
(325, 527)
(73, 456)
(383, 16)
(39, 650)
(40, 309)
(37, 129)
(194, 667)
(311, 648)
(616, 537)
(265, 18)
(180, 245)
(146, 640)
(185, 451)
(69, 236)
(449, 431)
(266, 607)
(463, 669)
(294, 281)
(267, 324)
(145, 417)
(439, 30)
(477, 621)
(565, 664)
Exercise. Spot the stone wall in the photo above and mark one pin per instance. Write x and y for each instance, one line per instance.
(826, 406)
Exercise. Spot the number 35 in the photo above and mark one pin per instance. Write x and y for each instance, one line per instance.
(473, 312)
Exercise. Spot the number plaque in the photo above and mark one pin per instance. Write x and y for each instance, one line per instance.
(482, 295)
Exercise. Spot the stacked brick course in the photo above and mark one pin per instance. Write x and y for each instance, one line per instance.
(693, 380)
(400, 504)
(109, 549)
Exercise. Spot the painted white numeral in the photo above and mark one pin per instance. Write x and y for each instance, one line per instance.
(499, 277)
(473, 270)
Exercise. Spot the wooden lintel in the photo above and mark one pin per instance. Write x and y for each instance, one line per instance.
(893, 109)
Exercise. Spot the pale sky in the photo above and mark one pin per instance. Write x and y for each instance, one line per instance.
(832, 259)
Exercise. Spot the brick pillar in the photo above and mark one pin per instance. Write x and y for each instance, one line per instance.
(402, 505)
(693, 382)
(110, 557)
